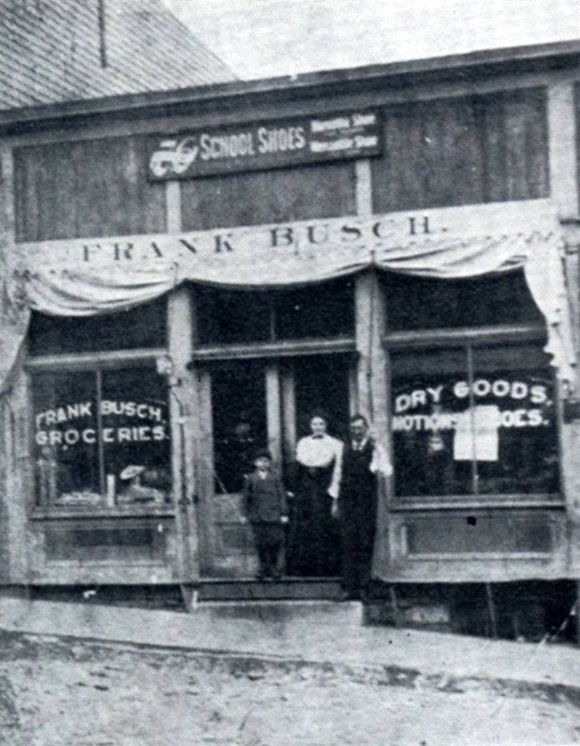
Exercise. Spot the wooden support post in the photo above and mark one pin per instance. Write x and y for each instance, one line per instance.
(181, 329)
(491, 610)
(564, 192)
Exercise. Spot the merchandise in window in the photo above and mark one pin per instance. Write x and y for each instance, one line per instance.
(101, 438)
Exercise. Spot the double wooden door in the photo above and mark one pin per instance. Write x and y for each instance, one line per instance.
(244, 406)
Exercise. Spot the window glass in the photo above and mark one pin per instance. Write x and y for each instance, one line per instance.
(482, 424)
(232, 317)
(239, 422)
(324, 310)
(135, 433)
(415, 303)
(66, 438)
(318, 311)
(101, 437)
(137, 328)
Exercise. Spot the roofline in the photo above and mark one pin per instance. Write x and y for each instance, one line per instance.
(458, 67)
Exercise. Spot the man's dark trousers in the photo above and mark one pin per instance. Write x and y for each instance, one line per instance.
(358, 509)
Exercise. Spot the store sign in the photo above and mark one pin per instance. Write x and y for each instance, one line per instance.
(527, 405)
(492, 405)
(252, 244)
(265, 145)
(122, 422)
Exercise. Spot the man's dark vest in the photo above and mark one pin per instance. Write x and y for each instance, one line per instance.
(357, 478)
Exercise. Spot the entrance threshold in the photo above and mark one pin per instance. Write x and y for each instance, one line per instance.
(291, 589)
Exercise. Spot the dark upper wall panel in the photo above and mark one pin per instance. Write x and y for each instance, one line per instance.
(463, 151)
(269, 196)
(85, 189)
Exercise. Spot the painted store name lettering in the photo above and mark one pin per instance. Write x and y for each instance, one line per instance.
(446, 421)
(319, 234)
(481, 387)
(405, 421)
(107, 408)
(88, 436)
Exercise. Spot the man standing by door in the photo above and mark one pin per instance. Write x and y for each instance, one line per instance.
(362, 461)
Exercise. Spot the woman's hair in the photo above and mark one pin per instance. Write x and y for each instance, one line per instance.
(318, 413)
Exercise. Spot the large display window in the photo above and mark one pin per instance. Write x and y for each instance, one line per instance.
(473, 421)
(100, 411)
(101, 438)
(473, 410)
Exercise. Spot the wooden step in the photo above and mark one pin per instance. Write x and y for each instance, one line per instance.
(298, 589)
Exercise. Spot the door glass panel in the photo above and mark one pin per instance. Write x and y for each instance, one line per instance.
(321, 385)
(239, 422)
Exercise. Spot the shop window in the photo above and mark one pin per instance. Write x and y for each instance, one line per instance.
(321, 311)
(101, 437)
(471, 417)
(137, 328)
(474, 421)
(415, 303)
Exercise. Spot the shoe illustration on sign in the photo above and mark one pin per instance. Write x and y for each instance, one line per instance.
(174, 156)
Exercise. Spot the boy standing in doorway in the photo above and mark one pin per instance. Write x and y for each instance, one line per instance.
(265, 507)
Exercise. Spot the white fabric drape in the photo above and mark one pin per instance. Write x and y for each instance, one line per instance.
(463, 242)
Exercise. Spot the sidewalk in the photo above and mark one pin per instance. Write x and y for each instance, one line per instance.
(315, 632)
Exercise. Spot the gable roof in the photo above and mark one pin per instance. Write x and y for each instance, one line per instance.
(53, 51)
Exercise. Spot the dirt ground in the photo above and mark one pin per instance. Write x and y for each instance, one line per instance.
(68, 693)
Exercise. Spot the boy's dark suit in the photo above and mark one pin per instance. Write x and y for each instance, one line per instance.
(358, 509)
(264, 505)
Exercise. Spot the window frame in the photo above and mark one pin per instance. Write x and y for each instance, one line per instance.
(464, 338)
(91, 362)
(274, 345)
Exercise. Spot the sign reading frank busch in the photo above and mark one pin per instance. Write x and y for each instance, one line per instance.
(265, 145)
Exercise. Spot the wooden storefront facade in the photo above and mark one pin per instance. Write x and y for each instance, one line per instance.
(186, 385)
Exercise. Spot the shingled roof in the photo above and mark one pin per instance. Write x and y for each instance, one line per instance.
(53, 51)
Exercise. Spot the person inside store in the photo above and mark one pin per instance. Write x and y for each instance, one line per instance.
(363, 461)
(264, 505)
(235, 456)
(314, 539)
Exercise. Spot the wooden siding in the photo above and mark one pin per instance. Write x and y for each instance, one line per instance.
(269, 197)
(84, 189)
(463, 151)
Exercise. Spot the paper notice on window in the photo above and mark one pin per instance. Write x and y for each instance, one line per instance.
(476, 435)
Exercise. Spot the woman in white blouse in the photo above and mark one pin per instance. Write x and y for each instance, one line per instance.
(314, 549)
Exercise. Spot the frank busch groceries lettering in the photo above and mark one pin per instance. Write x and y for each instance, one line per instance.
(48, 432)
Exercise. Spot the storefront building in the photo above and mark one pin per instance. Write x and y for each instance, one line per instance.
(192, 274)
